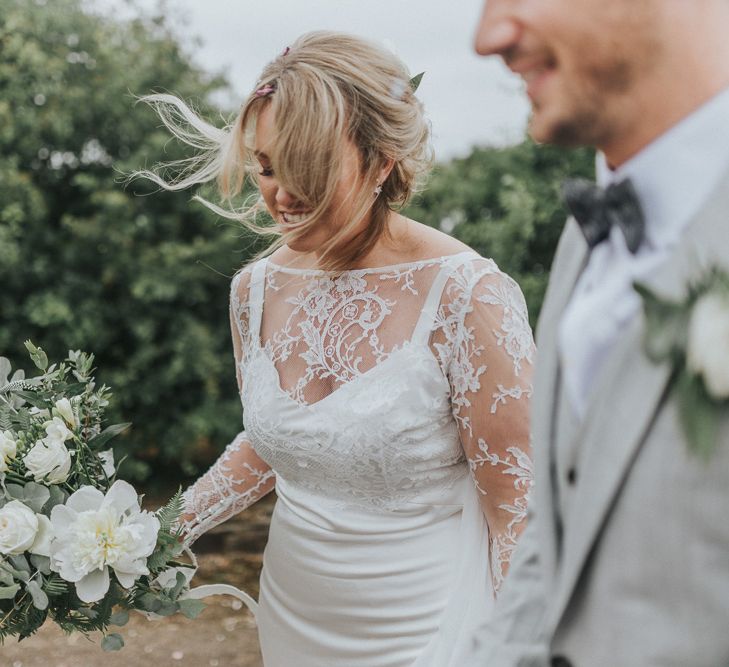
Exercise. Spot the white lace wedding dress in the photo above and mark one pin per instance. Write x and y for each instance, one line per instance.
(389, 408)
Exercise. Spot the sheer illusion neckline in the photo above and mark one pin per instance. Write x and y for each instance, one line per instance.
(374, 269)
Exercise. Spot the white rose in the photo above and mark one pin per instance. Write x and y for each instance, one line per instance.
(93, 533)
(48, 461)
(63, 408)
(8, 449)
(707, 352)
(21, 529)
(56, 429)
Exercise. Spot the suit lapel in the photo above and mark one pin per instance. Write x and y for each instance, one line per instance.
(569, 262)
(629, 394)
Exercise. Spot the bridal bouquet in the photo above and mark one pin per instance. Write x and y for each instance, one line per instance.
(75, 545)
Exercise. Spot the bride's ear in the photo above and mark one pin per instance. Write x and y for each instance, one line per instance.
(385, 170)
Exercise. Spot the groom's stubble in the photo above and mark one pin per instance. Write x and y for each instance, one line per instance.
(604, 72)
(600, 58)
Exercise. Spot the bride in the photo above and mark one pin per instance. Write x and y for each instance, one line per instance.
(384, 370)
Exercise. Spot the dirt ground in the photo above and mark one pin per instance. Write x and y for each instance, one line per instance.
(224, 635)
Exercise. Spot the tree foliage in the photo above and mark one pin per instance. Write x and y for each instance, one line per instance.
(505, 203)
(87, 263)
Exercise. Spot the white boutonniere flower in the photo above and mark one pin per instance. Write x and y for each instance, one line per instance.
(707, 353)
(693, 336)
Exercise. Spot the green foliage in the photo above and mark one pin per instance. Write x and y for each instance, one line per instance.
(505, 203)
(87, 263)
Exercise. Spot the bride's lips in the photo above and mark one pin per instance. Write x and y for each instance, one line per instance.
(293, 218)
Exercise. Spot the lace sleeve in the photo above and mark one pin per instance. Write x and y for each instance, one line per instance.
(239, 477)
(490, 375)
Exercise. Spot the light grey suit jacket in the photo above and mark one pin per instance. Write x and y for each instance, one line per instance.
(625, 562)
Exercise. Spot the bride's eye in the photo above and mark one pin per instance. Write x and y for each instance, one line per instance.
(265, 171)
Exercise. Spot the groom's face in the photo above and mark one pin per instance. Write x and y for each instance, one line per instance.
(581, 61)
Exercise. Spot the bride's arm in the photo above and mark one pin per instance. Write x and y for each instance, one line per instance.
(491, 384)
(239, 477)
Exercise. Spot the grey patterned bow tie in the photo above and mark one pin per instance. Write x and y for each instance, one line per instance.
(597, 209)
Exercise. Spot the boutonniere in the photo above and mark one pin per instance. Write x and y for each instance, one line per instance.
(693, 336)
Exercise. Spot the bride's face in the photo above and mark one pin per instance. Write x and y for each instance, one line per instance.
(284, 207)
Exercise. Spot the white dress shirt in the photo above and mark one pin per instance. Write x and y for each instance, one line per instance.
(673, 176)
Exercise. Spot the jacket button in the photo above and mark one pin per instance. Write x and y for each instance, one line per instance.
(571, 476)
(560, 661)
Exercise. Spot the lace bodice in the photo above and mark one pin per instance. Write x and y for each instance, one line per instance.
(377, 389)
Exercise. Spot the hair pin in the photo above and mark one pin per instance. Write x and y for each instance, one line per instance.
(265, 90)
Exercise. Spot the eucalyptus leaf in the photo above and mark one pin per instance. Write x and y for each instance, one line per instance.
(41, 563)
(40, 599)
(666, 326)
(6, 577)
(9, 592)
(37, 355)
(98, 442)
(35, 496)
(17, 575)
(180, 582)
(15, 491)
(119, 618)
(33, 398)
(149, 602)
(20, 563)
(167, 608)
(191, 608)
(699, 414)
(56, 497)
(112, 642)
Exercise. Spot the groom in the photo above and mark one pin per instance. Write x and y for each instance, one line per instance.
(625, 562)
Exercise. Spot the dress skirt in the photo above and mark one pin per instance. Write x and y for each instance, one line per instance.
(344, 586)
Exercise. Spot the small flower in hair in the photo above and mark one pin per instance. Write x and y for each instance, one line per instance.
(265, 90)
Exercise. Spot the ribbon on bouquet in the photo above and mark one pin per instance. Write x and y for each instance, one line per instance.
(200, 592)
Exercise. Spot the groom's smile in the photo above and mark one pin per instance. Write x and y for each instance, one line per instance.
(584, 64)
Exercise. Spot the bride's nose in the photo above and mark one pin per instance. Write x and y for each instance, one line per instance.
(284, 198)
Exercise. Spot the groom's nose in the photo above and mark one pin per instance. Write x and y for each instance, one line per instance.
(497, 30)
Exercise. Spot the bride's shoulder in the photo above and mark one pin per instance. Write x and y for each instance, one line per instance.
(431, 242)
(241, 281)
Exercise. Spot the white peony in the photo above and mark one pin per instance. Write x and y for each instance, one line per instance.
(21, 529)
(8, 449)
(94, 532)
(56, 429)
(707, 352)
(64, 409)
(48, 461)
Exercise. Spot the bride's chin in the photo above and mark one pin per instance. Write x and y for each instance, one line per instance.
(301, 245)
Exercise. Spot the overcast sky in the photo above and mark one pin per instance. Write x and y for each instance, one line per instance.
(470, 100)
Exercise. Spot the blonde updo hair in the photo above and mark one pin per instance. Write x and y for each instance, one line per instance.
(328, 87)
